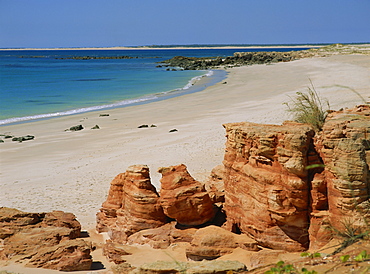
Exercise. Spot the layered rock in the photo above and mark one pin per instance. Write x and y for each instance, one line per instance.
(162, 237)
(341, 193)
(266, 187)
(132, 205)
(212, 242)
(183, 198)
(46, 240)
(215, 185)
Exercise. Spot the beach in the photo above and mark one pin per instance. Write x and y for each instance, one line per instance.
(72, 171)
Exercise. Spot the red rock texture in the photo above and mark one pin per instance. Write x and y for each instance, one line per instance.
(212, 242)
(132, 205)
(266, 184)
(183, 198)
(215, 185)
(341, 193)
(162, 237)
(108, 213)
(44, 240)
(72, 255)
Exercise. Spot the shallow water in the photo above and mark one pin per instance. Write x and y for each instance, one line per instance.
(46, 83)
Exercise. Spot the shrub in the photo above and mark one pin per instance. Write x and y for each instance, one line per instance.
(308, 108)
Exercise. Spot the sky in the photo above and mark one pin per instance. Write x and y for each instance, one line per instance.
(108, 23)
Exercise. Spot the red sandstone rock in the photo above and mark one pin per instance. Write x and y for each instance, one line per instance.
(341, 193)
(13, 220)
(183, 198)
(43, 240)
(215, 185)
(27, 242)
(266, 188)
(62, 219)
(212, 242)
(162, 237)
(73, 255)
(108, 213)
(114, 252)
(132, 205)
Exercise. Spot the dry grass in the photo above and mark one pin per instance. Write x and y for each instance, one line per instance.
(309, 108)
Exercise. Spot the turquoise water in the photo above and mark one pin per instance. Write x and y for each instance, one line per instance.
(41, 84)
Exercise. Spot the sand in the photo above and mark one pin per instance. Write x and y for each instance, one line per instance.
(71, 171)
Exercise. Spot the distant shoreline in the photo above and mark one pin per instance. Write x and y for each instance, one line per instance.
(169, 47)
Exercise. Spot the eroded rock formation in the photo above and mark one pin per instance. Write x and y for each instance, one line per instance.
(340, 194)
(287, 188)
(183, 198)
(46, 240)
(132, 205)
(266, 184)
(212, 242)
(280, 187)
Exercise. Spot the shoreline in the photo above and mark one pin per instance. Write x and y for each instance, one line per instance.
(195, 84)
(71, 171)
(175, 47)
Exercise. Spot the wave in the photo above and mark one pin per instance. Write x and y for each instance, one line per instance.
(153, 97)
(76, 111)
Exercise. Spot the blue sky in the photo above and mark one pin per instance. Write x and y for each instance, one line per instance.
(103, 23)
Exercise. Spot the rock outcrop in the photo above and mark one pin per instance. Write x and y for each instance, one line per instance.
(162, 237)
(284, 187)
(266, 184)
(212, 242)
(238, 59)
(183, 198)
(341, 193)
(45, 240)
(132, 205)
(289, 190)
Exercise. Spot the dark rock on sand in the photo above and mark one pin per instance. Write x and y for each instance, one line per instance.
(95, 127)
(23, 138)
(143, 126)
(173, 130)
(104, 114)
(76, 128)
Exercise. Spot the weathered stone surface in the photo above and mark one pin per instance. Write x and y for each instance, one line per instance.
(219, 267)
(212, 242)
(108, 213)
(183, 198)
(13, 220)
(215, 185)
(27, 242)
(132, 205)
(43, 240)
(341, 193)
(73, 255)
(266, 189)
(162, 237)
(62, 219)
(114, 252)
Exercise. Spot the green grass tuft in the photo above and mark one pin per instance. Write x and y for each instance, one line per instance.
(308, 108)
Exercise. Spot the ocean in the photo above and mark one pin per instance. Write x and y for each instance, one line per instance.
(39, 84)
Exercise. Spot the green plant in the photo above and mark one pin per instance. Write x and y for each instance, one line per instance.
(349, 234)
(308, 108)
(362, 256)
(281, 268)
(311, 255)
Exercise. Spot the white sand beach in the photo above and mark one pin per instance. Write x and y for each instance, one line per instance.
(71, 171)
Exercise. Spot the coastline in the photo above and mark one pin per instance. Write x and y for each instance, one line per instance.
(176, 47)
(195, 84)
(71, 171)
